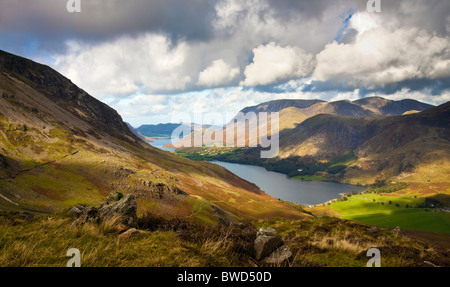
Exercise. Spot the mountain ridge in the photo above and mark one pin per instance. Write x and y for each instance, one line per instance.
(61, 147)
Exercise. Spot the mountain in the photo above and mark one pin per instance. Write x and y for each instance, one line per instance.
(60, 147)
(366, 107)
(359, 142)
(293, 112)
(159, 130)
(414, 146)
(165, 130)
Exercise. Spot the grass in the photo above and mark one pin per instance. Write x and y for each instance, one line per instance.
(333, 242)
(373, 203)
(392, 211)
(324, 241)
(410, 219)
(44, 242)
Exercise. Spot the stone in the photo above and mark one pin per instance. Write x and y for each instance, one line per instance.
(116, 207)
(77, 210)
(266, 242)
(130, 233)
(122, 207)
(84, 214)
(280, 257)
(267, 232)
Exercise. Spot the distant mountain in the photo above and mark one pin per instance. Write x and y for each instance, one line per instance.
(415, 145)
(60, 147)
(294, 112)
(160, 130)
(367, 107)
(166, 130)
(356, 141)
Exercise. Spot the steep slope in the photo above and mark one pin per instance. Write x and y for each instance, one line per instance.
(414, 146)
(294, 112)
(60, 147)
(367, 107)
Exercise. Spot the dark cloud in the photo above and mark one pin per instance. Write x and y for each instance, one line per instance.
(49, 22)
(134, 51)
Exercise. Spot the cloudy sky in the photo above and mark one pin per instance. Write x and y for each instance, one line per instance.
(152, 60)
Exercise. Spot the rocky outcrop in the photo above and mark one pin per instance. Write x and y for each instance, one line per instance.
(117, 206)
(270, 248)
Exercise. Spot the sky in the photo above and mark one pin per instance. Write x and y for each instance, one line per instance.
(154, 60)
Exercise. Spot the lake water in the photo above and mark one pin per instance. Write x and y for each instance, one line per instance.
(160, 143)
(279, 185)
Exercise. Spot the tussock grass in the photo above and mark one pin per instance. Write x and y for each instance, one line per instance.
(329, 241)
(323, 241)
(45, 241)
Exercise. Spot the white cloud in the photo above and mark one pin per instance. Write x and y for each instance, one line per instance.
(148, 75)
(218, 73)
(126, 65)
(272, 63)
(423, 96)
(381, 55)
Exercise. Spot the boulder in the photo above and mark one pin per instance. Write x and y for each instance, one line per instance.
(116, 206)
(270, 248)
(84, 214)
(123, 207)
(266, 242)
(280, 257)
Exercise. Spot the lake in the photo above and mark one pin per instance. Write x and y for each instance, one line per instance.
(160, 143)
(279, 185)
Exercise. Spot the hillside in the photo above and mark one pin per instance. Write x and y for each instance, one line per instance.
(366, 107)
(60, 147)
(355, 142)
(294, 112)
(409, 146)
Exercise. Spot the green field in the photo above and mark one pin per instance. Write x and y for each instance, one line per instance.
(392, 211)
(410, 219)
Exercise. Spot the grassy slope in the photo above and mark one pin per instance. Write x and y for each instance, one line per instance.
(55, 159)
(321, 242)
(389, 209)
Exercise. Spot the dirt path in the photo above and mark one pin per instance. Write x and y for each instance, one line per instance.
(37, 166)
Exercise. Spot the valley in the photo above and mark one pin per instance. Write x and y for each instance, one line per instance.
(66, 157)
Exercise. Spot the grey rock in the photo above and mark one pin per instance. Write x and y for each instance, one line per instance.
(122, 207)
(84, 214)
(267, 232)
(280, 257)
(266, 244)
(116, 206)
